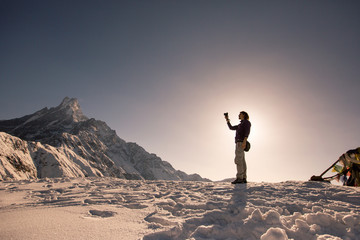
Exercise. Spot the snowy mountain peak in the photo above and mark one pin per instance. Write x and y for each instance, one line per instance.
(62, 142)
(69, 102)
(72, 108)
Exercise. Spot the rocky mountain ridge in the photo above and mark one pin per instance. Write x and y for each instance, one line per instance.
(62, 142)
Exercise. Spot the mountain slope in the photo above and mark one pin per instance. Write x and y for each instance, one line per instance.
(61, 141)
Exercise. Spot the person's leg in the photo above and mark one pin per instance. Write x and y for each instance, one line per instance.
(240, 161)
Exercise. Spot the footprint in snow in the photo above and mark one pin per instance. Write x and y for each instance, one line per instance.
(103, 214)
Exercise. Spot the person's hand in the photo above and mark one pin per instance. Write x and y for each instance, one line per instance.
(243, 145)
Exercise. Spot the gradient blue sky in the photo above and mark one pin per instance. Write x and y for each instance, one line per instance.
(162, 73)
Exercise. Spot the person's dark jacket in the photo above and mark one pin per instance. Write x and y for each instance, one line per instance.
(242, 130)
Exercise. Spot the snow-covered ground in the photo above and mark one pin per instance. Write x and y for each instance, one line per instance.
(110, 208)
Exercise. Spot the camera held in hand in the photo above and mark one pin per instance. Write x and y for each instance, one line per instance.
(226, 115)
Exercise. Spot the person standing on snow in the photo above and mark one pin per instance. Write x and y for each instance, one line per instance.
(241, 136)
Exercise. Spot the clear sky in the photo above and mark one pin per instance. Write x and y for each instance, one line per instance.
(162, 73)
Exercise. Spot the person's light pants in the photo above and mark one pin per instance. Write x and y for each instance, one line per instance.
(240, 161)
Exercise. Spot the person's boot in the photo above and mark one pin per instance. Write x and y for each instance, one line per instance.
(239, 181)
(235, 181)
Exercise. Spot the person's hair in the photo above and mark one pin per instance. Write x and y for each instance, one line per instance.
(246, 115)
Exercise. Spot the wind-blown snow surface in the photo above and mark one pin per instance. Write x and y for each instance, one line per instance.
(111, 208)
